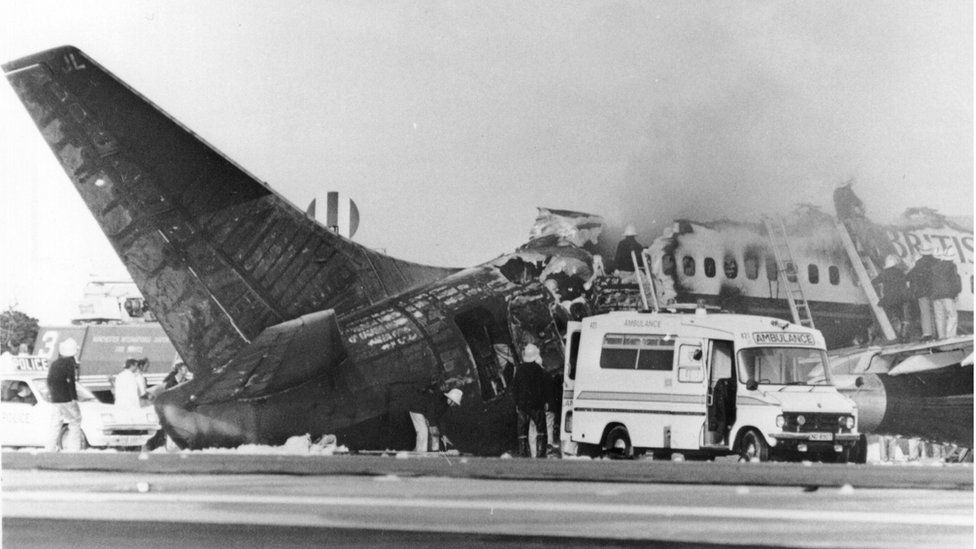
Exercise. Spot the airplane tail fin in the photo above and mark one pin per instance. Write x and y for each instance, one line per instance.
(217, 254)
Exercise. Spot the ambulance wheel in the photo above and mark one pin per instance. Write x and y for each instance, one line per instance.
(618, 444)
(753, 447)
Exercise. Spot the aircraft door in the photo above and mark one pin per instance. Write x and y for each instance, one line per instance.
(721, 389)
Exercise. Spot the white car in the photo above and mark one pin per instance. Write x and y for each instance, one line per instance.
(25, 416)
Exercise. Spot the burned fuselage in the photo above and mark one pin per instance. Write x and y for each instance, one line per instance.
(288, 327)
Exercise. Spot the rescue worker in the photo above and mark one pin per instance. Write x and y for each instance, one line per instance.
(426, 411)
(945, 287)
(893, 287)
(622, 260)
(61, 379)
(531, 388)
(179, 374)
(920, 283)
(870, 239)
(846, 204)
(129, 386)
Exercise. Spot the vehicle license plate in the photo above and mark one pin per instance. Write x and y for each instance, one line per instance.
(821, 436)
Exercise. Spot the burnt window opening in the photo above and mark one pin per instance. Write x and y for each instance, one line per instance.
(688, 265)
(667, 264)
(772, 271)
(731, 267)
(813, 273)
(490, 348)
(790, 271)
(750, 264)
(709, 265)
(833, 274)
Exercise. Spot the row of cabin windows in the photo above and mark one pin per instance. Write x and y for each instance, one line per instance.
(730, 267)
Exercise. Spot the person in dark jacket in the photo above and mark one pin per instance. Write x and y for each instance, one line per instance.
(920, 284)
(894, 297)
(622, 260)
(531, 389)
(945, 287)
(846, 204)
(427, 408)
(61, 379)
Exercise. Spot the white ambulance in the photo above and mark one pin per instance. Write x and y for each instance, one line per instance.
(25, 411)
(702, 384)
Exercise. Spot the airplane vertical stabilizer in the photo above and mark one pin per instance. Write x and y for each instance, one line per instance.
(217, 254)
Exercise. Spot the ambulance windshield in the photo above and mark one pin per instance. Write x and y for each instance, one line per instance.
(783, 366)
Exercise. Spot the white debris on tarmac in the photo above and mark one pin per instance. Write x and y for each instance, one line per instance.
(301, 445)
(142, 487)
(846, 490)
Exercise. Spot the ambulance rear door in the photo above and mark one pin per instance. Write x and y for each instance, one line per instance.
(688, 394)
(573, 331)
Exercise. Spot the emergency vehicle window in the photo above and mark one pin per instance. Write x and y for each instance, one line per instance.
(688, 265)
(574, 341)
(772, 272)
(833, 273)
(655, 354)
(17, 391)
(630, 352)
(709, 267)
(731, 267)
(813, 273)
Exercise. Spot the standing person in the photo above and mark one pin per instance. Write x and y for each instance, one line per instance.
(920, 283)
(531, 388)
(945, 287)
(61, 379)
(622, 260)
(427, 410)
(128, 389)
(894, 294)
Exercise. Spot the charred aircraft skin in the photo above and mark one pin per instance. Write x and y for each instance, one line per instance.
(288, 327)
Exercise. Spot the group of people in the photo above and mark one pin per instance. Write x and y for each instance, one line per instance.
(130, 389)
(931, 287)
(536, 404)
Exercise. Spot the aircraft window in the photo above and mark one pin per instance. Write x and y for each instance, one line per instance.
(731, 267)
(751, 266)
(833, 273)
(709, 267)
(772, 272)
(667, 264)
(971, 285)
(650, 352)
(813, 273)
(688, 265)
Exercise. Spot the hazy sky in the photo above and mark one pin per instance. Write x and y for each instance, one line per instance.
(448, 122)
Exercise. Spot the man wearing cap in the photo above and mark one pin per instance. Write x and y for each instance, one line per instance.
(622, 260)
(61, 378)
(426, 411)
(920, 283)
(945, 287)
(893, 287)
(130, 387)
(531, 388)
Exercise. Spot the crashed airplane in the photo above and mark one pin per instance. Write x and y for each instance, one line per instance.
(288, 327)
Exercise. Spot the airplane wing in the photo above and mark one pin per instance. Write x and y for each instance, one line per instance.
(217, 254)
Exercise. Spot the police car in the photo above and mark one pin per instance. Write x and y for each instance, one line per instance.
(25, 411)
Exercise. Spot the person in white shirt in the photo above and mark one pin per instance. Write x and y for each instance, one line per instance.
(129, 387)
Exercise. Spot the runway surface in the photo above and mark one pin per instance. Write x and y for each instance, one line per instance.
(380, 508)
(111, 506)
